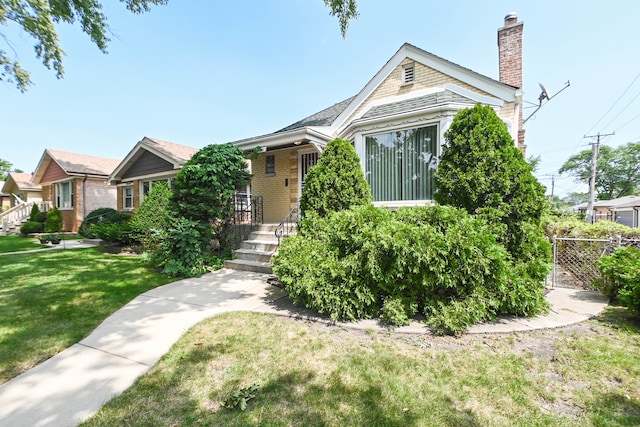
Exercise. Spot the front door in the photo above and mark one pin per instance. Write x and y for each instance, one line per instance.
(308, 159)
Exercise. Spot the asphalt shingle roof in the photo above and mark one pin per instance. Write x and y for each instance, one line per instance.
(414, 104)
(74, 163)
(321, 118)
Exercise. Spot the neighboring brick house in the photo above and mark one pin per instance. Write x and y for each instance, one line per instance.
(150, 161)
(20, 187)
(76, 184)
(396, 124)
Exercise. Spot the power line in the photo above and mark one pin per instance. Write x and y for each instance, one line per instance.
(627, 122)
(614, 104)
(621, 111)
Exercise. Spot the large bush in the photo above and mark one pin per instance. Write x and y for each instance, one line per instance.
(204, 188)
(54, 221)
(114, 227)
(94, 217)
(440, 261)
(482, 171)
(622, 273)
(336, 182)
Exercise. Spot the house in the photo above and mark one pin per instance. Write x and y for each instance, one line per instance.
(5, 198)
(624, 210)
(396, 124)
(76, 184)
(150, 161)
(21, 188)
(19, 194)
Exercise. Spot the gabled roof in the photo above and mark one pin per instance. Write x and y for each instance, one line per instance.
(74, 164)
(176, 154)
(332, 121)
(23, 182)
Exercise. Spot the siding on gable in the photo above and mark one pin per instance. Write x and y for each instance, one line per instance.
(147, 164)
(53, 173)
(425, 78)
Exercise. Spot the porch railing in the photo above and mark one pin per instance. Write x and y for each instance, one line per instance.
(288, 224)
(19, 213)
(248, 212)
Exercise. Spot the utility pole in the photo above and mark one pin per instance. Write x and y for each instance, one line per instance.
(595, 146)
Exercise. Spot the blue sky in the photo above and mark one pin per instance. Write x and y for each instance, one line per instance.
(203, 72)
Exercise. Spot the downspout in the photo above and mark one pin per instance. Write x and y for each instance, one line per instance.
(84, 193)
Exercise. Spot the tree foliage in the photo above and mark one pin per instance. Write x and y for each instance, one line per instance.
(483, 172)
(39, 18)
(153, 215)
(617, 170)
(336, 182)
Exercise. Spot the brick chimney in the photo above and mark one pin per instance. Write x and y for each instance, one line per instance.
(510, 62)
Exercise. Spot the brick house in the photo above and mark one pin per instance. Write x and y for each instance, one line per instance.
(76, 184)
(151, 160)
(396, 124)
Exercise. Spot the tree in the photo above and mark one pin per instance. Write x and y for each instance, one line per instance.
(5, 169)
(204, 189)
(617, 170)
(481, 169)
(336, 182)
(482, 172)
(38, 18)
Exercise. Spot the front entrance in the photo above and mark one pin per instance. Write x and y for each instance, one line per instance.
(308, 159)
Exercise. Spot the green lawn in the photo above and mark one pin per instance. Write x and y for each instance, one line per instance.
(314, 375)
(51, 300)
(18, 243)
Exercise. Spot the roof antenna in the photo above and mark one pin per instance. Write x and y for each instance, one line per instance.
(545, 95)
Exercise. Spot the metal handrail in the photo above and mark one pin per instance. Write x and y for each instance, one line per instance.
(288, 224)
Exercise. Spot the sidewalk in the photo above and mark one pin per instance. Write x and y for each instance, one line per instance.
(74, 384)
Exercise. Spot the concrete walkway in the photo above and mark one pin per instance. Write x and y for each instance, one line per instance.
(74, 384)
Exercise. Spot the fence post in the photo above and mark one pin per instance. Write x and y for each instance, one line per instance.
(619, 240)
(555, 261)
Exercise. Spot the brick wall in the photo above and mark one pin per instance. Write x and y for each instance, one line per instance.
(280, 190)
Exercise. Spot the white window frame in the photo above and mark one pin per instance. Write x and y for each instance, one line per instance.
(65, 205)
(125, 197)
(169, 180)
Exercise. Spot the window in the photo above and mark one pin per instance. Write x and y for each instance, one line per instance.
(64, 195)
(400, 165)
(408, 73)
(270, 166)
(148, 185)
(127, 198)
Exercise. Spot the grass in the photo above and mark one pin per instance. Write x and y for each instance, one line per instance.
(18, 243)
(51, 300)
(313, 375)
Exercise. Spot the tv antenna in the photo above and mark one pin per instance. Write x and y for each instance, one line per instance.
(544, 95)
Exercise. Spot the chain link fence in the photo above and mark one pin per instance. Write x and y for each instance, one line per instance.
(575, 260)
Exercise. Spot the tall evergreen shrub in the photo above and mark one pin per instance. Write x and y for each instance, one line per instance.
(336, 182)
(54, 221)
(152, 218)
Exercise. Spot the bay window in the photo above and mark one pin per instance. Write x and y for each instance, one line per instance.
(400, 165)
(64, 195)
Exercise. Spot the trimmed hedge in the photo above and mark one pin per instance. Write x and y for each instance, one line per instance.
(31, 227)
(439, 260)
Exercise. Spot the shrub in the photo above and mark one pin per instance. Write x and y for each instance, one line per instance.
(113, 227)
(54, 221)
(440, 261)
(622, 272)
(336, 182)
(152, 217)
(31, 227)
(94, 217)
(35, 213)
(482, 171)
(183, 252)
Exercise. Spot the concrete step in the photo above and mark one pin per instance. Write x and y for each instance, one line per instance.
(266, 235)
(252, 255)
(248, 265)
(260, 245)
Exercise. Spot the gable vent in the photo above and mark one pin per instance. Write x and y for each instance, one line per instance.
(408, 74)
